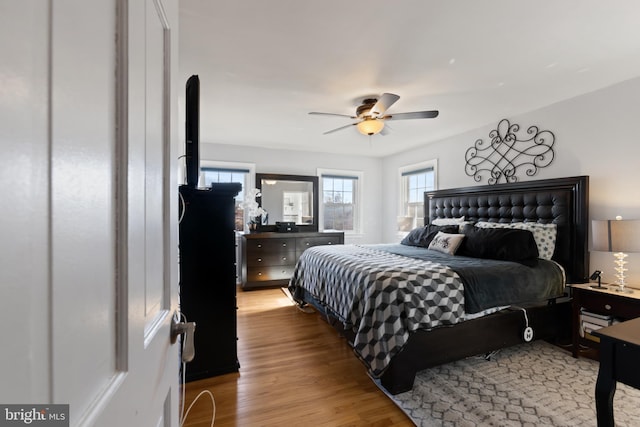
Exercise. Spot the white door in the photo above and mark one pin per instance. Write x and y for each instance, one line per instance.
(88, 112)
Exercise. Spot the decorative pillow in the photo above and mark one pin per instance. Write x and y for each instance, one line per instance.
(422, 236)
(507, 244)
(544, 234)
(446, 243)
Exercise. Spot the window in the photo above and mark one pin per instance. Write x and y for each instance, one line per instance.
(340, 203)
(231, 172)
(414, 181)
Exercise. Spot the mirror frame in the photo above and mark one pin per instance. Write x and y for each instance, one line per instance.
(282, 177)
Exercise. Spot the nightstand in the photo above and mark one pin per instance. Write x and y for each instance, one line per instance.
(618, 305)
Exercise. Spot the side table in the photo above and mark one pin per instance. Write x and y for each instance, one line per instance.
(619, 356)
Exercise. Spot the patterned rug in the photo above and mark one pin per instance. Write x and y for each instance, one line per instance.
(531, 384)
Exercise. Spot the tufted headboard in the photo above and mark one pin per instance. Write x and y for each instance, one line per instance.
(561, 201)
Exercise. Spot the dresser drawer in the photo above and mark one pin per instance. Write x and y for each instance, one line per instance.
(621, 307)
(308, 242)
(261, 246)
(266, 258)
(260, 274)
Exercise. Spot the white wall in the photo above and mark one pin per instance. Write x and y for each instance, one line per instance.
(307, 163)
(596, 135)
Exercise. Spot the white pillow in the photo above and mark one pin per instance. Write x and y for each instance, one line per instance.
(446, 243)
(544, 234)
(460, 222)
(448, 221)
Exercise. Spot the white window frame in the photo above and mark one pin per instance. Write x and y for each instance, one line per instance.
(217, 164)
(403, 190)
(357, 215)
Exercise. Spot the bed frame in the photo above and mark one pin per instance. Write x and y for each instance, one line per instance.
(561, 201)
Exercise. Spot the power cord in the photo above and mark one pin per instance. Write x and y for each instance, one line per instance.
(487, 356)
(183, 207)
(213, 402)
(527, 333)
(183, 414)
(184, 170)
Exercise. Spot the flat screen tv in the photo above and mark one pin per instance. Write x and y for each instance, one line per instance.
(192, 128)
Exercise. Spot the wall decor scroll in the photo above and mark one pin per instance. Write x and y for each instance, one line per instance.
(510, 152)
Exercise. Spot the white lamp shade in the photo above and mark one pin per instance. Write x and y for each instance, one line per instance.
(616, 235)
(370, 126)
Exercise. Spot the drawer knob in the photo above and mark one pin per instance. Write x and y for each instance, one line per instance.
(330, 242)
(259, 273)
(259, 245)
(259, 259)
(284, 258)
(307, 243)
(607, 306)
(284, 245)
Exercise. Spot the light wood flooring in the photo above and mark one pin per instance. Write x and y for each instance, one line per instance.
(295, 370)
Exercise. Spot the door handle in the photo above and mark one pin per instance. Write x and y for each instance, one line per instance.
(187, 329)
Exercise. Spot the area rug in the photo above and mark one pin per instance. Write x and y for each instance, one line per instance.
(531, 384)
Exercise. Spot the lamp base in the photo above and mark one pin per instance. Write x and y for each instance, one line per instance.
(598, 287)
(624, 290)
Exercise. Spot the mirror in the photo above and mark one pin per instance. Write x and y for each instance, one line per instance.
(288, 198)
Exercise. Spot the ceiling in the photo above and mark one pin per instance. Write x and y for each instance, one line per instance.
(264, 65)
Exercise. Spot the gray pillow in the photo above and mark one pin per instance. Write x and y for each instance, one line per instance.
(422, 236)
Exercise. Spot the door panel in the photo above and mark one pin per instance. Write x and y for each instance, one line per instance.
(114, 270)
(90, 276)
(82, 206)
(156, 102)
(24, 173)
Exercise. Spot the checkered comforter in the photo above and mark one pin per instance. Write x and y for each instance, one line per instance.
(382, 296)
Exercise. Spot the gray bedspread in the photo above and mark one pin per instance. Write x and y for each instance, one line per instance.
(492, 283)
(381, 296)
(385, 292)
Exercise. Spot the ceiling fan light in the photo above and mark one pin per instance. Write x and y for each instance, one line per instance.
(370, 126)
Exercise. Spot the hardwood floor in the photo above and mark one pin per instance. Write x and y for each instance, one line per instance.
(294, 370)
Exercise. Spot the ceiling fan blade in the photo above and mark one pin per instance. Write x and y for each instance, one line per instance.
(414, 115)
(332, 114)
(383, 104)
(340, 128)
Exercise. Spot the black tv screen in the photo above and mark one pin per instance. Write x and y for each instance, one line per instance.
(192, 128)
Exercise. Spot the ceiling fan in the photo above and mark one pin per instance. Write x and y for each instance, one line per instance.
(371, 115)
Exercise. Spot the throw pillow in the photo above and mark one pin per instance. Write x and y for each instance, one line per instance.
(544, 234)
(507, 244)
(446, 243)
(422, 236)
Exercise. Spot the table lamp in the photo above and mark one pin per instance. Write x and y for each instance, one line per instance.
(618, 236)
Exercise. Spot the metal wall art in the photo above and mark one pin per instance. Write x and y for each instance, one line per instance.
(508, 153)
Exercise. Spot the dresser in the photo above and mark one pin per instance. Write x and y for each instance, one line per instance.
(268, 259)
(208, 277)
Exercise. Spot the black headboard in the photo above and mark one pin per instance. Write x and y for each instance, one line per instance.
(561, 201)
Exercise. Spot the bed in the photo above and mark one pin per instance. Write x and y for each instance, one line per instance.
(405, 308)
